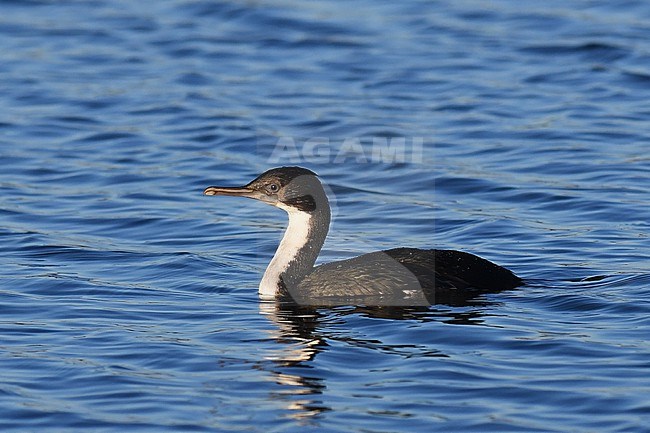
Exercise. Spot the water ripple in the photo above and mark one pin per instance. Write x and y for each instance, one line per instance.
(129, 300)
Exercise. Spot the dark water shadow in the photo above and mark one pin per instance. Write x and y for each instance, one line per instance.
(305, 332)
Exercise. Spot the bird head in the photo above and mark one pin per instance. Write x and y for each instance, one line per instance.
(294, 189)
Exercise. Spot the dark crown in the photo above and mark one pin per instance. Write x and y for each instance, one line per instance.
(284, 175)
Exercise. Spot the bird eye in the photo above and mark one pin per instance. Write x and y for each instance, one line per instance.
(274, 187)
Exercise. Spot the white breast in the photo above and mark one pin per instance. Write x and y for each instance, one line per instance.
(293, 240)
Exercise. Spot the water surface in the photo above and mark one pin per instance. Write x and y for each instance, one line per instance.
(128, 300)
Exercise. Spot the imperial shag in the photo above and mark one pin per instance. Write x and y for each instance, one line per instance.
(395, 277)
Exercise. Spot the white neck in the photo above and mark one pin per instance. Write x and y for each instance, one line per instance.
(295, 239)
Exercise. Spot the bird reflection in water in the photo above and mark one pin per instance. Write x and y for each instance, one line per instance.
(302, 333)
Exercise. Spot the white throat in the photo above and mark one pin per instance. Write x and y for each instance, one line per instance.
(294, 239)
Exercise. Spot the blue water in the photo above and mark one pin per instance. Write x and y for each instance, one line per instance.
(128, 300)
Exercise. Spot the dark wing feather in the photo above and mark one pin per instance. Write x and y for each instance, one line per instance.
(402, 276)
